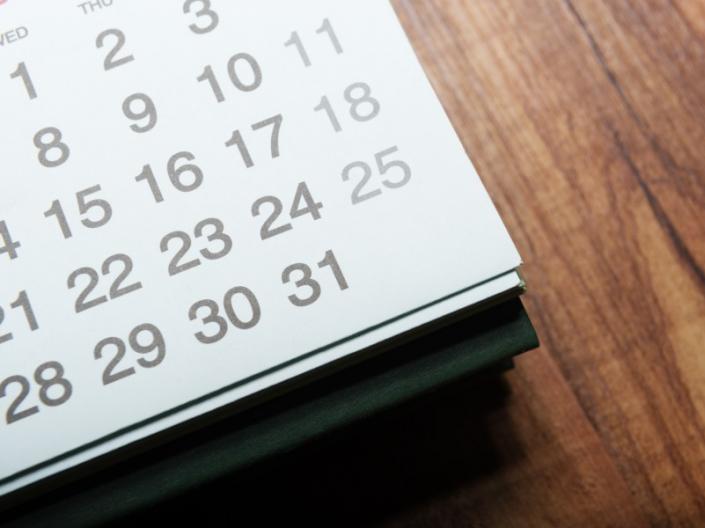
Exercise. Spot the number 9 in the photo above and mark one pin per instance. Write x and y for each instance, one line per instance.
(156, 342)
(149, 111)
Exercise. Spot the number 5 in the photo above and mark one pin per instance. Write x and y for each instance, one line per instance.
(385, 166)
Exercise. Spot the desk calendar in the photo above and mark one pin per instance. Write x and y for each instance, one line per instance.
(202, 199)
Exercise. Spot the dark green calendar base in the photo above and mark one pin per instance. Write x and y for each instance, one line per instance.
(486, 340)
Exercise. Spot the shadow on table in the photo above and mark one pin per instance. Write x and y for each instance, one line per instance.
(366, 472)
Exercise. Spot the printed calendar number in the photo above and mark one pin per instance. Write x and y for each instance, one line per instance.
(235, 74)
(302, 205)
(50, 140)
(103, 211)
(117, 288)
(148, 112)
(54, 390)
(8, 246)
(326, 28)
(184, 177)
(155, 345)
(23, 74)
(206, 18)
(385, 165)
(306, 281)
(248, 304)
(22, 302)
(112, 60)
(363, 106)
(217, 236)
(236, 140)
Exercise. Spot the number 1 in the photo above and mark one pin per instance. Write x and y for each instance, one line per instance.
(22, 73)
(331, 262)
(327, 27)
(22, 301)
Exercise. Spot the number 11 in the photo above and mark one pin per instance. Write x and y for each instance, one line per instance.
(327, 27)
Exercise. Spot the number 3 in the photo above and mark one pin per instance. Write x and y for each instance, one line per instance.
(205, 11)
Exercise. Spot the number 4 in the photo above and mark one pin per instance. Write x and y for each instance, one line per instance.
(10, 246)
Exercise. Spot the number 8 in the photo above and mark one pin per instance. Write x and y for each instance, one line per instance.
(57, 379)
(365, 97)
(55, 143)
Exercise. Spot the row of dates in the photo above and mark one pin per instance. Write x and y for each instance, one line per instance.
(91, 210)
(145, 347)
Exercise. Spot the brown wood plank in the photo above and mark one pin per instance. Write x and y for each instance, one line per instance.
(586, 121)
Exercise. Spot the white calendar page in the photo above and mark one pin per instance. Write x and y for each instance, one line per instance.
(195, 195)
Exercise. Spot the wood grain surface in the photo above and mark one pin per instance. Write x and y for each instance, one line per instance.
(586, 122)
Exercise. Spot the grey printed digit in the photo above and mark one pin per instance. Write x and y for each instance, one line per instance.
(233, 314)
(176, 266)
(111, 61)
(186, 177)
(363, 106)
(303, 204)
(46, 382)
(358, 194)
(209, 16)
(116, 288)
(326, 28)
(22, 73)
(13, 413)
(359, 95)
(110, 375)
(4, 338)
(82, 303)
(331, 262)
(276, 123)
(102, 214)
(156, 344)
(176, 173)
(237, 140)
(212, 317)
(47, 145)
(255, 71)
(236, 76)
(54, 390)
(268, 231)
(217, 235)
(9, 246)
(385, 164)
(22, 302)
(306, 280)
(148, 112)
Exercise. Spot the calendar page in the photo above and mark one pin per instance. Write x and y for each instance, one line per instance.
(200, 199)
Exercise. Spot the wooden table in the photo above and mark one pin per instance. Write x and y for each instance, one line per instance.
(586, 122)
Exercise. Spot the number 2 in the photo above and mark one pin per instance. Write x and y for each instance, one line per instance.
(110, 61)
